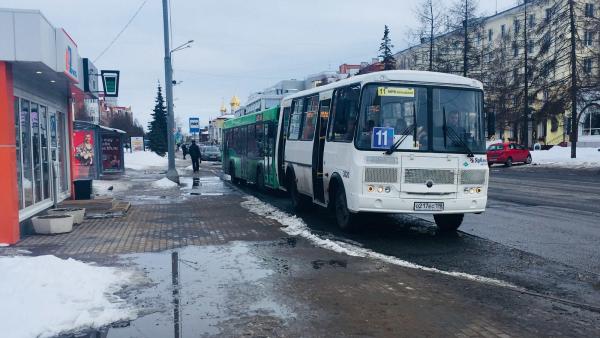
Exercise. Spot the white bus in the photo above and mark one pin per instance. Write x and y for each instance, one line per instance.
(386, 142)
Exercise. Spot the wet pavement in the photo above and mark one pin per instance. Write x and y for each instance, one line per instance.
(227, 272)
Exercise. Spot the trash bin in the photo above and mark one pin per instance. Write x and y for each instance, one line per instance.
(83, 189)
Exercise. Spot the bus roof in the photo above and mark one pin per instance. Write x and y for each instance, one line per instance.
(406, 76)
(270, 114)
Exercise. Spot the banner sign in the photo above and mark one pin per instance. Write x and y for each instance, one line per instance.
(194, 124)
(137, 143)
(111, 153)
(83, 153)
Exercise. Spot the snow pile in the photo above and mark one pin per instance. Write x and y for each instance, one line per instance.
(45, 295)
(561, 157)
(164, 183)
(141, 160)
(295, 226)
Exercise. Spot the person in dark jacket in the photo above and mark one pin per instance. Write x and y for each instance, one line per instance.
(195, 155)
(184, 149)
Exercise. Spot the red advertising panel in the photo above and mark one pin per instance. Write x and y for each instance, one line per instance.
(111, 153)
(83, 154)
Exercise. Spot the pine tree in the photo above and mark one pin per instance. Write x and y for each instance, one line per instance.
(386, 50)
(158, 126)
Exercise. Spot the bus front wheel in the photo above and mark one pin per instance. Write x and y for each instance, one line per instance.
(345, 219)
(448, 222)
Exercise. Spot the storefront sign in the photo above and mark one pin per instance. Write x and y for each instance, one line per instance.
(137, 143)
(111, 153)
(92, 109)
(67, 55)
(83, 154)
(90, 77)
(110, 82)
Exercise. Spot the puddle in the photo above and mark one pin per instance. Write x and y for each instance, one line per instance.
(204, 186)
(198, 291)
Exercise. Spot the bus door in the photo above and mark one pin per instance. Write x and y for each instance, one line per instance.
(281, 147)
(318, 147)
(270, 135)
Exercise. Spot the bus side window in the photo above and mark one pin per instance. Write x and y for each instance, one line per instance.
(286, 121)
(343, 114)
(252, 142)
(295, 120)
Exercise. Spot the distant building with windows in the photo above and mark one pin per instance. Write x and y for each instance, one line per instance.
(498, 47)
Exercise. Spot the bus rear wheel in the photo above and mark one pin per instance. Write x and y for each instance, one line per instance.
(448, 222)
(345, 219)
(260, 180)
(234, 179)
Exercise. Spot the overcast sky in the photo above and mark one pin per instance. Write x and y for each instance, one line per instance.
(240, 46)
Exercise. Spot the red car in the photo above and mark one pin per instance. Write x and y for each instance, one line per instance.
(507, 153)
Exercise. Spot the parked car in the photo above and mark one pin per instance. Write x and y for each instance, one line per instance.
(507, 154)
(210, 153)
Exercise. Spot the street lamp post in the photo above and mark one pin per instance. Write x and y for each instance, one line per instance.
(172, 173)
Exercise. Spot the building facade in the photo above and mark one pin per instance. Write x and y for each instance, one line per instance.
(41, 74)
(534, 34)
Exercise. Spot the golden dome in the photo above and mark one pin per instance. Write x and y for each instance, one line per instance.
(235, 101)
(223, 109)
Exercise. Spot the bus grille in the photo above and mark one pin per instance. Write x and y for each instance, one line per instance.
(472, 177)
(381, 175)
(421, 176)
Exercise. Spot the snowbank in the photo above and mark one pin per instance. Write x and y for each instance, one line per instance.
(295, 226)
(140, 160)
(561, 157)
(164, 183)
(45, 295)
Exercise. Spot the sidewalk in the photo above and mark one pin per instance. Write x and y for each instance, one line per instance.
(244, 276)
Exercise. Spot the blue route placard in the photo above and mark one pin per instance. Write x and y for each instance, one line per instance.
(382, 138)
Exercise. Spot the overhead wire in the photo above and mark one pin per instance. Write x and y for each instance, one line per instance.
(122, 30)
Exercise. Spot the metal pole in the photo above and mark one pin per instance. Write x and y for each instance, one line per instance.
(172, 171)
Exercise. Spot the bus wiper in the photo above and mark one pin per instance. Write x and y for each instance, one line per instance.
(455, 136)
(405, 134)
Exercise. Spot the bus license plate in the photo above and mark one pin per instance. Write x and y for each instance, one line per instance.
(429, 206)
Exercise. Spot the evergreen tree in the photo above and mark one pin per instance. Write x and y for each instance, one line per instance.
(158, 126)
(386, 50)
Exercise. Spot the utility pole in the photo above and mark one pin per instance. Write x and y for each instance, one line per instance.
(466, 42)
(172, 173)
(574, 89)
(525, 128)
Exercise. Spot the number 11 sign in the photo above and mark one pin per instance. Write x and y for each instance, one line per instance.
(382, 138)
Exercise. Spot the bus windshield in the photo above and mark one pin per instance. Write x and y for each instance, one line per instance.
(402, 111)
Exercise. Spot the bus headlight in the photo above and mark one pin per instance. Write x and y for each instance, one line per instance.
(370, 188)
(388, 189)
(380, 189)
(473, 190)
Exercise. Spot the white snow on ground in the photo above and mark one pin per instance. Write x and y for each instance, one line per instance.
(140, 160)
(43, 296)
(294, 226)
(561, 157)
(164, 183)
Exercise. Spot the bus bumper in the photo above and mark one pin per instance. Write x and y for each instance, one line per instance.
(362, 203)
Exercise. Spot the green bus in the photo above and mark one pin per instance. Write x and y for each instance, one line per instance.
(249, 148)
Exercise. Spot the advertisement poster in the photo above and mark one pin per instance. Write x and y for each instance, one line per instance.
(137, 143)
(83, 154)
(111, 153)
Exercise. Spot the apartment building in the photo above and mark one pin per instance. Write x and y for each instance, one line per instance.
(534, 34)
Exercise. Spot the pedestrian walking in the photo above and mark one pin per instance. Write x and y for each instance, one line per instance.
(184, 149)
(195, 155)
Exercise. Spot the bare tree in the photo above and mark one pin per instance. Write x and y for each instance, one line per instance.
(432, 23)
(465, 19)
